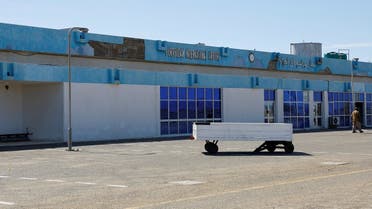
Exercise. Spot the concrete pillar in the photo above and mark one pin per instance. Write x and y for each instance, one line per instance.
(279, 111)
(311, 110)
(325, 113)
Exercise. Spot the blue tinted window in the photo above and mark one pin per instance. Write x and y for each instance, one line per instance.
(369, 108)
(330, 96)
(217, 109)
(369, 119)
(209, 109)
(266, 95)
(163, 92)
(346, 97)
(341, 97)
(293, 96)
(330, 109)
(368, 98)
(336, 108)
(173, 93)
(182, 93)
(191, 95)
(293, 109)
(173, 127)
(269, 95)
(301, 123)
(192, 109)
(189, 126)
(217, 94)
(200, 93)
(183, 127)
(307, 122)
(318, 96)
(181, 106)
(163, 110)
(361, 97)
(200, 109)
(306, 109)
(300, 96)
(335, 96)
(209, 94)
(294, 122)
(300, 109)
(164, 128)
(286, 96)
(342, 108)
(287, 109)
(183, 110)
(173, 107)
(272, 96)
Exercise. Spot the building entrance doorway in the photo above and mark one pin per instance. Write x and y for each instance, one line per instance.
(360, 106)
(317, 108)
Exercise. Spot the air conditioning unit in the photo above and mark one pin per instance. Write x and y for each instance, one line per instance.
(334, 122)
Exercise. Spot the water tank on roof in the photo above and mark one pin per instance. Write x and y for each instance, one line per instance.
(307, 49)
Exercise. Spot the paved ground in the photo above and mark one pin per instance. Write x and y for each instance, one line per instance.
(327, 170)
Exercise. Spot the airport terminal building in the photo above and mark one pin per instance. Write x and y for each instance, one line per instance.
(127, 88)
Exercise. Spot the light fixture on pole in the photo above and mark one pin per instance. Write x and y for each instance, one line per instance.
(70, 30)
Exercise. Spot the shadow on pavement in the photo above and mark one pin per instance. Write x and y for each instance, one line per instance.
(30, 145)
(258, 154)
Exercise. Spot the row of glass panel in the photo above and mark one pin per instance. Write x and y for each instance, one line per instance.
(183, 93)
(190, 110)
(180, 107)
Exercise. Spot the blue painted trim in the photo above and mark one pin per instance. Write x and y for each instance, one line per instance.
(47, 73)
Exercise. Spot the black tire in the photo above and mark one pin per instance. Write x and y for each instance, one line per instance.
(288, 147)
(271, 147)
(211, 148)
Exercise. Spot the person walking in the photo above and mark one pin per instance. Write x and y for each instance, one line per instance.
(355, 116)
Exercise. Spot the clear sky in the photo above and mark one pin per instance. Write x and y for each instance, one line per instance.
(266, 25)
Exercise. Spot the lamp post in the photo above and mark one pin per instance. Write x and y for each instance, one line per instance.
(70, 30)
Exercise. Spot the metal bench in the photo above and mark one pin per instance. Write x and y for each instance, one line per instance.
(14, 137)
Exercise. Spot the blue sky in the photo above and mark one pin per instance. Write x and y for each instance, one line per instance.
(265, 25)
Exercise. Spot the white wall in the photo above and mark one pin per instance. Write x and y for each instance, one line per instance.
(103, 112)
(43, 110)
(243, 105)
(11, 108)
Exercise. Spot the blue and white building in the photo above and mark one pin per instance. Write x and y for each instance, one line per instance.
(125, 88)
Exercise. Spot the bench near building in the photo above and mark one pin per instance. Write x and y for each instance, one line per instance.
(125, 88)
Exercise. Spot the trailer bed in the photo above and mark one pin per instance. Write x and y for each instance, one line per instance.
(274, 135)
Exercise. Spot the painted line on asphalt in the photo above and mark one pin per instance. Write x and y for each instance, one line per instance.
(4, 177)
(28, 178)
(186, 182)
(117, 186)
(85, 183)
(55, 180)
(6, 203)
(334, 163)
(274, 184)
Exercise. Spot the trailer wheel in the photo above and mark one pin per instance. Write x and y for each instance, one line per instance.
(211, 148)
(271, 147)
(288, 147)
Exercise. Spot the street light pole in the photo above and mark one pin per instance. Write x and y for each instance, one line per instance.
(84, 30)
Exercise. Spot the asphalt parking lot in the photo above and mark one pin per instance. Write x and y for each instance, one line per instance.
(326, 170)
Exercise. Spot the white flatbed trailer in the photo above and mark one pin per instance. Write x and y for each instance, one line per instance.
(274, 135)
